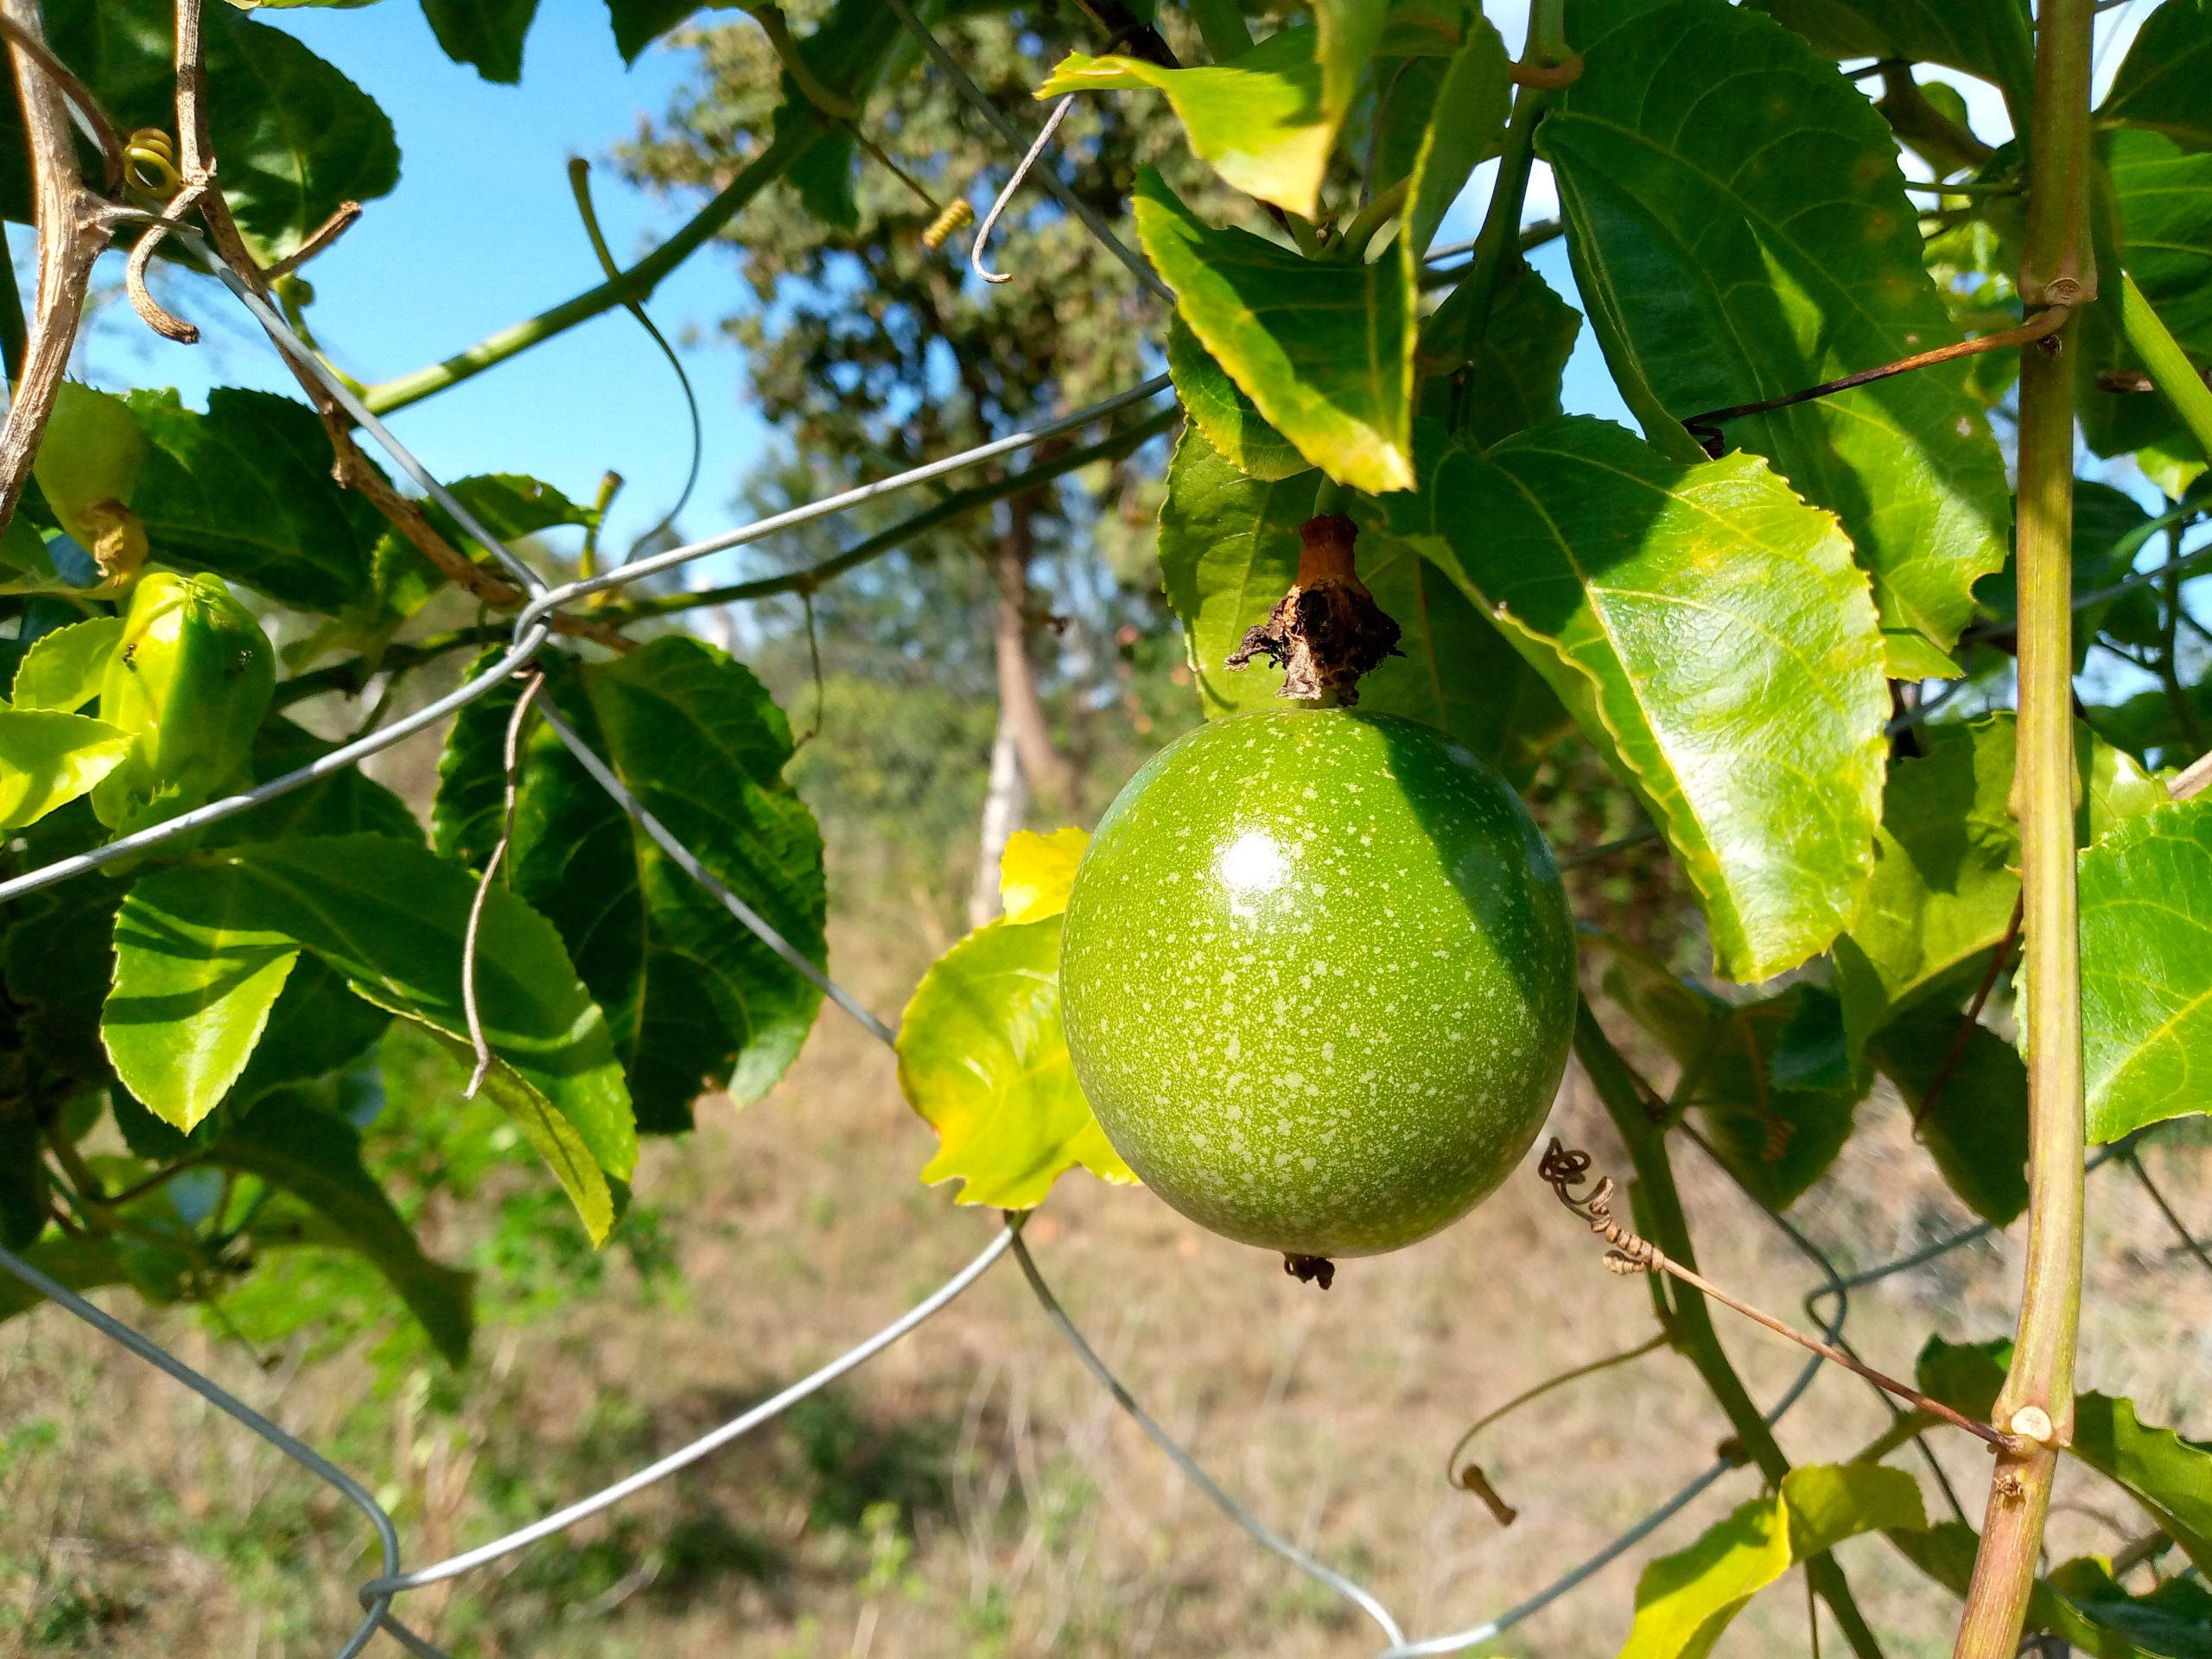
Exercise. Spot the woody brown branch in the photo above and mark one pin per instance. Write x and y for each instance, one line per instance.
(72, 223)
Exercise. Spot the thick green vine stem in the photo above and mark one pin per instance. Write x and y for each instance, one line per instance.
(2036, 1404)
(1659, 1217)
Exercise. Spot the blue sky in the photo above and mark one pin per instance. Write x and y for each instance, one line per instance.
(482, 232)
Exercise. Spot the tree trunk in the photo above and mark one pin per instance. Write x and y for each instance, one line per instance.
(1004, 804)
(1023, 757)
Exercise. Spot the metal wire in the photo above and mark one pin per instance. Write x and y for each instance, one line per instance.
(1005, 130)
(684, 1457)
(689, 862)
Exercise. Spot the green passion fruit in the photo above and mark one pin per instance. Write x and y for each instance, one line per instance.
(1318, 978)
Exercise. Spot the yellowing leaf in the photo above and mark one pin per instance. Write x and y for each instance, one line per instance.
(1684, 1601)
(982, 1057)
(1324, 348)
(1265, 120)
(1036, 871)
(48, 759)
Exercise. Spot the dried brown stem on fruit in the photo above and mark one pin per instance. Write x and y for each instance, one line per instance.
(1327, 630)
(1307, 1269)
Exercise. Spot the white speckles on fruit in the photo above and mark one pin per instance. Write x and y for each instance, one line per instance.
(1346, 924)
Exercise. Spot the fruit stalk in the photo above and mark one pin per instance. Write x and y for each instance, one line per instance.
(1660, 1218)
(1327, 630)
(2055, 269)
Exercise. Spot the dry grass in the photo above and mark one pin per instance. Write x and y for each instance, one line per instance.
(972, 1492)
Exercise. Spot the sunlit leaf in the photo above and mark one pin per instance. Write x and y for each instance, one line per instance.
(1709, 631)
(2165, 209)
(1323, 347)
(1232, 423)
(1267, 119)
(62, 669)
(1684, 1601)
(2147, 970)
(1709, 242)
(48, 759)
(391, 917)
(196, 973)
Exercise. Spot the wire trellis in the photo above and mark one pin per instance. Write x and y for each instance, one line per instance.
(532, 630)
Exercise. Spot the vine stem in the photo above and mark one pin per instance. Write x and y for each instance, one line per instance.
(2055, 269)
(635, 284)
(2170, 368)
(1659, 1216)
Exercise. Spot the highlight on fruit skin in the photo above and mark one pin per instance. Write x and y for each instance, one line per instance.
(1317, 979)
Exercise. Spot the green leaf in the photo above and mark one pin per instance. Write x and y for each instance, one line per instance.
(196, 973)
(294, 136)
(342, 803)
(48, 759)
(982, 1059)
(1769, 1079)
(1267, 120)
(89, 453)
(695, 1001)
(1709, 633)
(1324, 348)
(638, 23)
(2146, 894)
(1704, 234)
(62, 669)
(2173, 1621)
(1228, 551)
(1515, 370)
(24, 1201)
(57, 960)
(317, 1156)
(1944, 887)
(391, 917)
(2162, 82)
(1989, 38)
(1977, 1127)
(1458, 673)
(1946, 1553)
(487, 35)
(317, 1025)
(1465, 125)
(245, 491)
(2169, 1476)
(1684, 1601)
(1232, 422)
(2166, 211)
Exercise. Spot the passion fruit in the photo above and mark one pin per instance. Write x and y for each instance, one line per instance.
(1317, 979)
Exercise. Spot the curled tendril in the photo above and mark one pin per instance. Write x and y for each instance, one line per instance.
(149, 166)
(1565, 1168)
